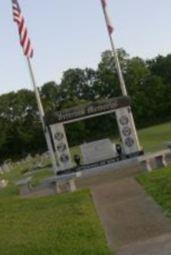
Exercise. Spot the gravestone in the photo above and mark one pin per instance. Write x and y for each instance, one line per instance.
(28, 158)
(6, 168)
(3, 184)
(1, 170)
(98, 151)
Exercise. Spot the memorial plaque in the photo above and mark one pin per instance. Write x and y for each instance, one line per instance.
(98, 151)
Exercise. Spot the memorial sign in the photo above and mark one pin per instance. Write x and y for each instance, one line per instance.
(103, 149)
(91, 109)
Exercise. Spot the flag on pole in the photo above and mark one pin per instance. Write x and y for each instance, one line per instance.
(22, 29)
(28, 52)
(108, 21)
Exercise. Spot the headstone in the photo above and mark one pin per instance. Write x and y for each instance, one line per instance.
(6, 168)
(3, 184)
(1, 170)
(28, 158)
(97, 151)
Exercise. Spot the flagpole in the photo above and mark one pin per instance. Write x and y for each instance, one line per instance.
(42, 118)
(123, 86)
(115, 55)
(28, 52)
(118, 68)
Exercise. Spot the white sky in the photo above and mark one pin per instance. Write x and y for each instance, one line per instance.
(68, 34)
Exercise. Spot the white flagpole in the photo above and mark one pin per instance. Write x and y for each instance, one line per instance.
(119, 71)
(118, 67)
(42, 118)
(115, 55)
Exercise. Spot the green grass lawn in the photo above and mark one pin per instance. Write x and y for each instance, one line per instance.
(158, 185)
(154, 138)
(56, 225)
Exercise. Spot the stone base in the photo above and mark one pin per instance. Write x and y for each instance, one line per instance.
(61, 186)
(152, 161)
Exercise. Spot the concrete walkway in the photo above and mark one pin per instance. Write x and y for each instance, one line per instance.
(134, 224)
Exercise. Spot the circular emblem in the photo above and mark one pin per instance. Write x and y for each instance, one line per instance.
(61, 147)
(64, 158)
(129, 141)
(59, 136)
(126, 131)
(124, 120)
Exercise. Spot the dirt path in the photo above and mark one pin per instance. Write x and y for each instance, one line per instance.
(133, 222)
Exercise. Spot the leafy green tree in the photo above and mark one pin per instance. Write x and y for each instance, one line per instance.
(161, 66)
(108, 82)
(50, 93)
(78, 83)
(20, 125)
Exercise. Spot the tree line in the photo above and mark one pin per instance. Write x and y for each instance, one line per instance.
(148, 83)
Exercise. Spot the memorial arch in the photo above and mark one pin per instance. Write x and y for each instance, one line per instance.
(120, 106)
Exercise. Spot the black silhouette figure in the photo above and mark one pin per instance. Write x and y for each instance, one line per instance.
(77, 159)
(119, 151)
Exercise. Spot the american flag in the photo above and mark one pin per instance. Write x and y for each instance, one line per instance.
(22, 29)
(108, 21)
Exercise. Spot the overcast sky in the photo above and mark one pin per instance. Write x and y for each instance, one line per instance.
(68, 34)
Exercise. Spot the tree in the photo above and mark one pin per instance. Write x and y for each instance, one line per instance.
(78, 83)
(108, 82)
(161, 66)
(50, 93)
(22, 130)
